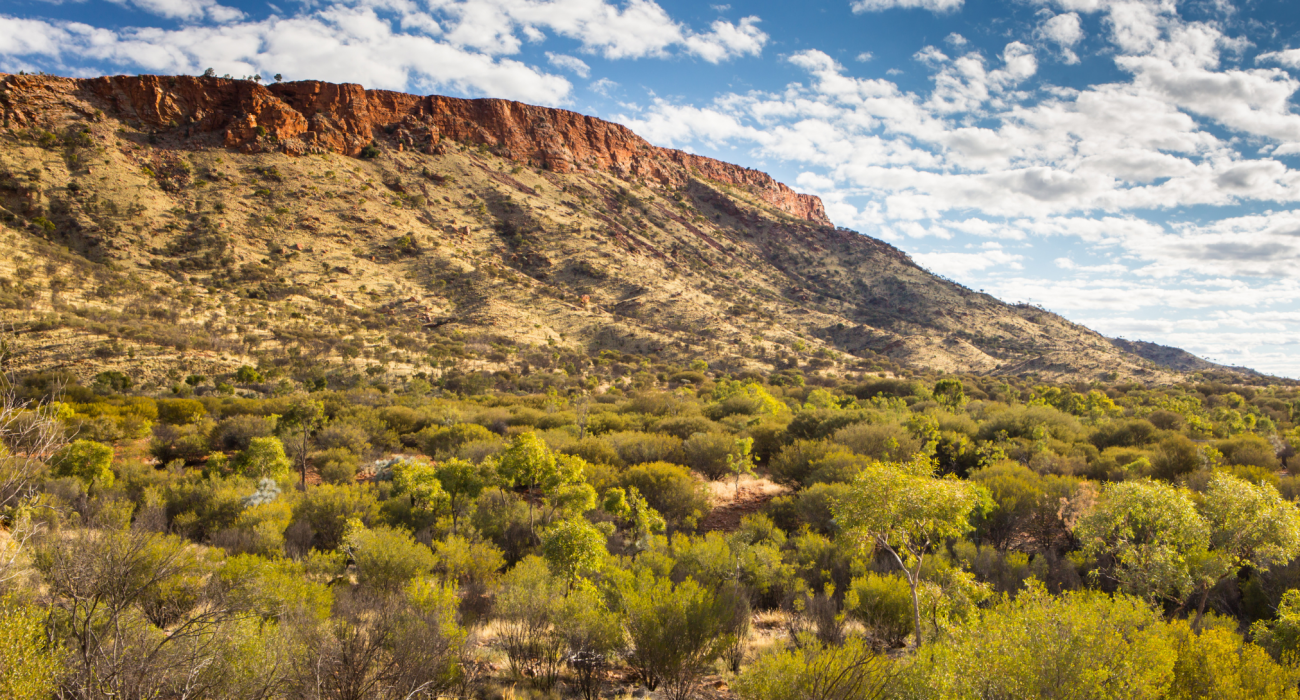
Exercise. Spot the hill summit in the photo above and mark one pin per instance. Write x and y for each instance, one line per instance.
(159, 225)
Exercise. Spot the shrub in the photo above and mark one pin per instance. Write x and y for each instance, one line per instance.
(386, 558)
(883, 604)
(86, 460)
(444, 442)
(671, 490)
(180, 411)
(793, 465)
(264, 458)
(1032, 423)
(593, 450)
(1134, 432)
(811, 671)
(685, 426)
(887, 442)
(336, 465)
(1174, 457)
(1249, 450)
(30, 665)
(677, 631)
(343, 435)
(184, 442)
(813, 506)
(637, 448)
(707, 453)
(325, 510)
(235, 433)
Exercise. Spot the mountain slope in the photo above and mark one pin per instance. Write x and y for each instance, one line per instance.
(164, 225)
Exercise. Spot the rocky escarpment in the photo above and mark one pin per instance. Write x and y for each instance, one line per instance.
(314, 117)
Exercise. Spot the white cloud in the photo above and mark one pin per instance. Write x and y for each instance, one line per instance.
(727, 40)
(864, 57)
(569, 63)
(339, 44)
(936, 6)
(1289, 58)
(1066, 31)
(959, 264)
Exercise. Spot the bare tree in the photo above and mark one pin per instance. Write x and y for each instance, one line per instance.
(30, 433)
(142, 617)
(377, 648)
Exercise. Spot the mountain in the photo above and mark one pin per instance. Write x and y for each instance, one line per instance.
(161, 226)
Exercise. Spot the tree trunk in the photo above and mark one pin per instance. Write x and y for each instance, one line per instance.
(913, 582)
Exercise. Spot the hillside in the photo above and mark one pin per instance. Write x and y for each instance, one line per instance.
(168, 225)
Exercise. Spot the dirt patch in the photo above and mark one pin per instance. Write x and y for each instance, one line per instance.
(729, 507)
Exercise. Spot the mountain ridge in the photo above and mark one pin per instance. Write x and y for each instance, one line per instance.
(280, 210)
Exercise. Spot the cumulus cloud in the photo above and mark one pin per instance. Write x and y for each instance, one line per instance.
(960, 264)
(1289, 58)
(339, 44)
(569, 63)
(1066, 31)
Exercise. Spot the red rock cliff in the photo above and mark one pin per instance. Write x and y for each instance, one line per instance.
(310, 117)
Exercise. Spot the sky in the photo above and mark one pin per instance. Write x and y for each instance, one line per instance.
(1133, 165)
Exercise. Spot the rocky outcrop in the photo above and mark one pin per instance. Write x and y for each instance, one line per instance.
(312, 117)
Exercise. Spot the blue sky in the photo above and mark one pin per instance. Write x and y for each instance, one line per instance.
(1131, 164)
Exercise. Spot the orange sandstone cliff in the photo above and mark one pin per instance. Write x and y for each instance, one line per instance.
(313, 117)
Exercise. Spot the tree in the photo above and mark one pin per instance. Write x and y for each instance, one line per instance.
(1150, 536)
(463, 481)
(87, 460)
(573, 546)
(530, 465)
(1251, 525)
(643, 521)
(419, 480)
(264, 458)
(903, 509)
(741, 462)
(303, 418)
(950, 394)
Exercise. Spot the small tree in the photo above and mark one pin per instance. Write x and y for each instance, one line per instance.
(741, 462)
(573, 546)
(303, 418)
(1251, 525)
(419, 479)
(264, 458)
(530, 465)
(463, 481)
(950, 394)
(1150, 536)
(87, 460)
(903, 509)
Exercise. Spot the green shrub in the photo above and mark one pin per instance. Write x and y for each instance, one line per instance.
(813, 506)
(444, 442)
(1133, 432)
(811, 671)
(637, 448)
(336, 465)
(685, 426)
(593, 450)
(677, 631)
(343, 435)
(1249, 450)
(670, 489)
(1175, 456)
(30, 665)
(87, 460)
(707, 453)
(386, 558)
(325, 510)
(180, 411)
(234, 434)
(887, 442)
(793, 465)
(264, 458)
(883, 604)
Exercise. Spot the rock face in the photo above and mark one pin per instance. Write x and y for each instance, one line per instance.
(313, 117)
